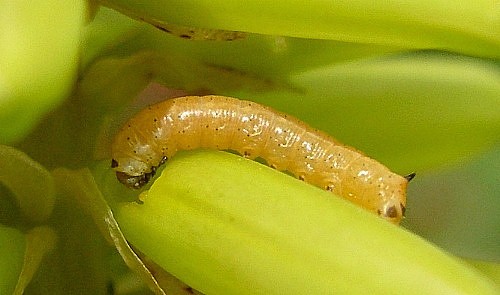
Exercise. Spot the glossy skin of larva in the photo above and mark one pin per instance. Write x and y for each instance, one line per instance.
(253, 130)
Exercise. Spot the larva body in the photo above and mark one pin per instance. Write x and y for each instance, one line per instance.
(253, 130)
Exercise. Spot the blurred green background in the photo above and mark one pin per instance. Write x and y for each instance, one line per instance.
(417, 88)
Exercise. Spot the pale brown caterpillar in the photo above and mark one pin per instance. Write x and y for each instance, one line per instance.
(253, 130)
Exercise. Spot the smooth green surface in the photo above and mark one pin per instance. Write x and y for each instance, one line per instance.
(12, 250)
(471, 27)
(491, 269)
(40, 241)
(271, 57)
(79, 260)
(39, 47)
(30, 183)
(258, 231)
(457, 207)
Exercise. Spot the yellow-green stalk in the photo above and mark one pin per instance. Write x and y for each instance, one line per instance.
(227, 225)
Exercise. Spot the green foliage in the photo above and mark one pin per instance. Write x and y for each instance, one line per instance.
(12, 251)
(39, 46)
(218, 225)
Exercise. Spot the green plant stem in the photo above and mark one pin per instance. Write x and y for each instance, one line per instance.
(471, 27)
(258, 231)
(12, 251)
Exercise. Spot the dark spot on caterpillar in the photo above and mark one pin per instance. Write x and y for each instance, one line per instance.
(391, 212)
(138, 181)
(114, 163)
(189, 290)
(184, 36)
(410, 176)
(403, 209)
(302, 177)
(134, 182)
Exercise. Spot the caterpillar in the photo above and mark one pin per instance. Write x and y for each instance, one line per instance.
(156, 133)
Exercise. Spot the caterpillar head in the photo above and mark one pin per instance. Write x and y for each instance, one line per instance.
(393, 209)
(131, 176)
(373, 186)
(134, 182)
